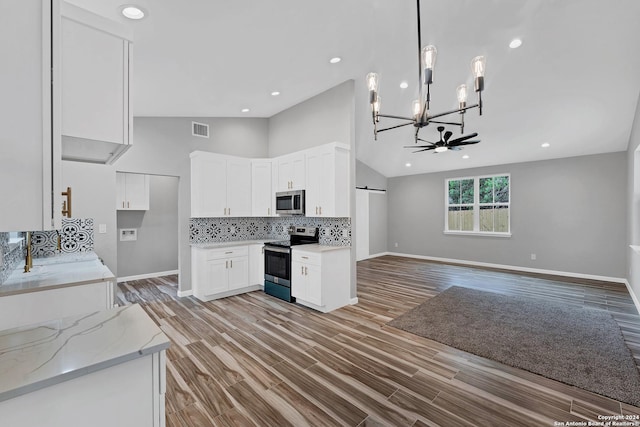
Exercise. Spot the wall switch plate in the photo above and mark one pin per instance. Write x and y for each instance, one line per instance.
(102, 228)
(533, 257)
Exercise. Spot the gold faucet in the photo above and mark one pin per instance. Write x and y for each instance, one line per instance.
(28, 262)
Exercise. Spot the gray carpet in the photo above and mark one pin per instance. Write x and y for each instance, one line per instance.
(577, 346)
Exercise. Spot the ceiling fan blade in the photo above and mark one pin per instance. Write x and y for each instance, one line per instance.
(461, 143)
(447, 135)
(430, 147)
(424, 140)
(463, 138)
(425, 149)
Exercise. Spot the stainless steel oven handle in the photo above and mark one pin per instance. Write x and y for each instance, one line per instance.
(274, 249)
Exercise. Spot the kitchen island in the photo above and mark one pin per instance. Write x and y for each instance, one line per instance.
(104, 368)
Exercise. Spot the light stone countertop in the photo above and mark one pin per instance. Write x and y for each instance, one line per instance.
(59, 271)
(37, 356)
(318, 248)
(214, 245)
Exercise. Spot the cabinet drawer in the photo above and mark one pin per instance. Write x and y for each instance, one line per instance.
(306, 257)
(231, 251)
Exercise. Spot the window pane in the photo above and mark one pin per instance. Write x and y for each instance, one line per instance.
(486, 190)
(501, 185)
(454, 192)
(466, 218)
(486, 218)
(454, 218)
(466, 191)
(501, 219)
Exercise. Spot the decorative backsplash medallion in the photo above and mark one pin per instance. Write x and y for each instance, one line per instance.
(332, 231)
(76, 235)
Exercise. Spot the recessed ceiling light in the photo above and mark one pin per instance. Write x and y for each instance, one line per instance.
(275, 93)
(335, 60)
(466, 156)
(545, 145)
(132, 12)
(515, 43)
(245, 110)
(404, 85)
(408, 165)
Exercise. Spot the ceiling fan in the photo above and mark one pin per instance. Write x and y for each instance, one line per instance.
(445, 143)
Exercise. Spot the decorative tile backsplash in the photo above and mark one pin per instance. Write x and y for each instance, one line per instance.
(76, 235)
(332, 231)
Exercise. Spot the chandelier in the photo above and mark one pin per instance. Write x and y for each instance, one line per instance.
(420, 107)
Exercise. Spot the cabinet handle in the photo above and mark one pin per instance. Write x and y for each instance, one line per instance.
(316, 210)
(231, 262)
(228, 252)
(268, 211)
(127, 205)
(226, 264)
(302, 270)
(305, 257)
(123, 205)
(306, 273)
(320, 210)
(229, 211)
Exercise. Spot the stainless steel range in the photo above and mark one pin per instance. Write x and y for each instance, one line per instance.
(277, 261)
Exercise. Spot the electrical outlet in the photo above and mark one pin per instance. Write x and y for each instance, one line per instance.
(102, 228)
(533, 257)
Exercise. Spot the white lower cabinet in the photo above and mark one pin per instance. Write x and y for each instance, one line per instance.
(220, 272)
(321, 278)
(54, 303)
(256, 264)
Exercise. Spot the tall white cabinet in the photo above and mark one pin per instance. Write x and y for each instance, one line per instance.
(30, 115)
(96, 72)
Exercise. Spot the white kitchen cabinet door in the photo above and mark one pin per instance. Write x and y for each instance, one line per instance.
(30, 115)
(208, 185)
(291, 172)
(313, 291)
(262, 195)
(132, 191)
(96, 83)
(238, 187)
(328, 190)
(298, 280)
(238, 272)
(216, 277)
(256, 264)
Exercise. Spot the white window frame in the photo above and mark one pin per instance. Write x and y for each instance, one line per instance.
(476, 207)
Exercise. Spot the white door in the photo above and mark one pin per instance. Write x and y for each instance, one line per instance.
(362, 224)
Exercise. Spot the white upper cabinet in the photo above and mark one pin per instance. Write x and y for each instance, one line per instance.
(132, 191)
(262, 194)
(328, 190)
(96, 86)
(29, 115)
(291, 172)
(220, 185)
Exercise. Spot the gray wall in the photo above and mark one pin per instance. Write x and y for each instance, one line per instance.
(156, 247)
(633, 204)
(378, 219)
(94, 196)
(569, 212)
(368, 177)
(162, 146)
(327, 117)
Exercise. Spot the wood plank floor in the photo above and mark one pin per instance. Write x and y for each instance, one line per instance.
(255, 360)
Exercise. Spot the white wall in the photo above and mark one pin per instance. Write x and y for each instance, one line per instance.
(633, 205)
(569, 212)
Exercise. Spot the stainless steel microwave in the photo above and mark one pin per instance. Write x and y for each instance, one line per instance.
(290, 202)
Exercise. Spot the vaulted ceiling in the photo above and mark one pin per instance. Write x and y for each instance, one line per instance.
(574, 82)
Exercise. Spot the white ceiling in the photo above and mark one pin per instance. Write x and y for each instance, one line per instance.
(573, 83)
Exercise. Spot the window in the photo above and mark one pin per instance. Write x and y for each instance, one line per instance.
(478, 205)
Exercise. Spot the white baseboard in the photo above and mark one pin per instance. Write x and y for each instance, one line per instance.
(353, 301)
(636, 302)
(378, 255)
(147, 276)
(185, 293)
(513, 268)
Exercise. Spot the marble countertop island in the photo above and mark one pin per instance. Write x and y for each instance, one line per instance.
(61, 270)
(48, 353)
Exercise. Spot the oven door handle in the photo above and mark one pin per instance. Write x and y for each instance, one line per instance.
(275, 249)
